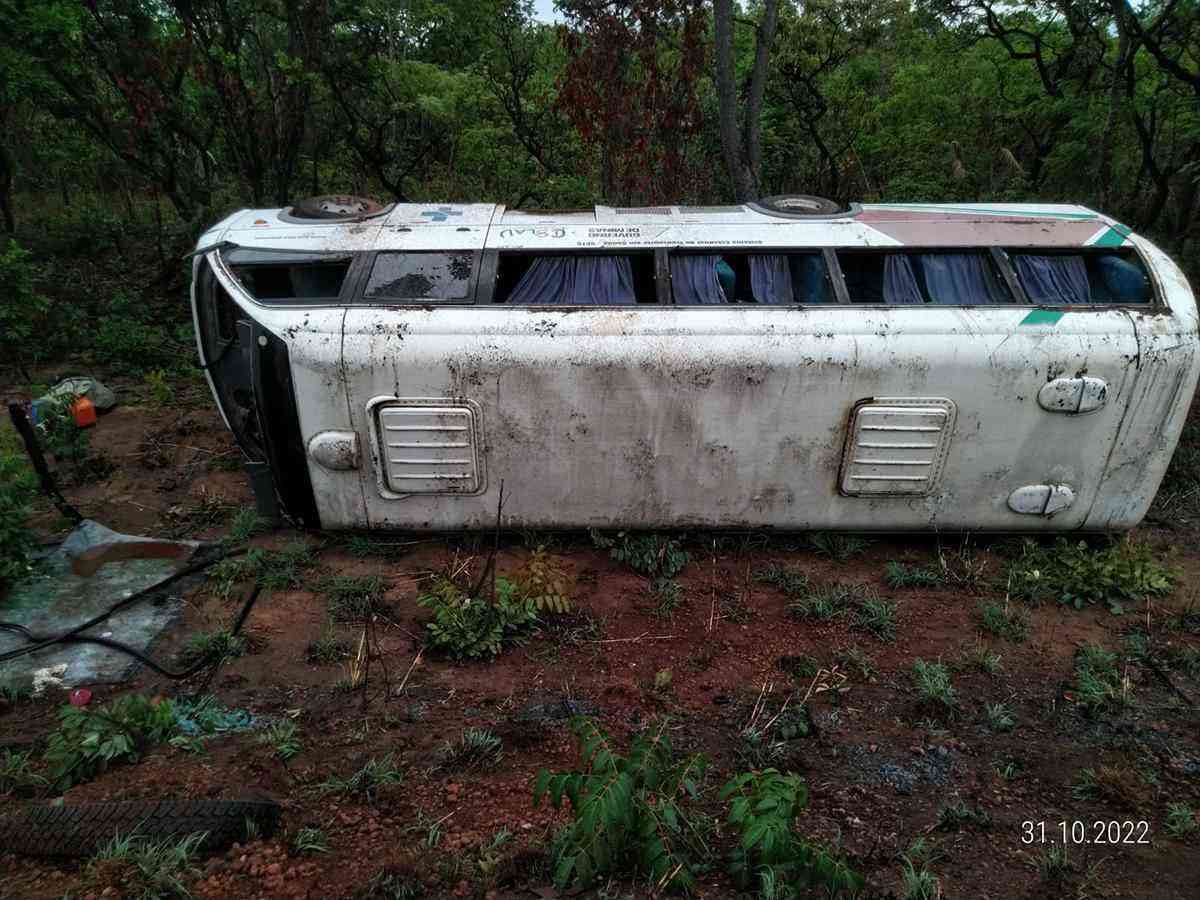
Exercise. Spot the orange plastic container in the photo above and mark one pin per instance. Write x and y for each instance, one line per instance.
(84, 412)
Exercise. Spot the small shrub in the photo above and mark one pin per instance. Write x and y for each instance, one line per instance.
(1074, 574)
(467, 628)
(627, 814)
(145, 869)
(902, 575)
(475, 747)
(877, 616)
(933, 685)
(652, 555)
(284, 740)
(1181, 821)
(309, 841)
(1099, 687)
(352, 599)
(770, 854)
(17, 775)
(999, 717)
(213, 645)
(543, 581)
(1005, 621)
(89, 740)
(837, 546)
(366, 783)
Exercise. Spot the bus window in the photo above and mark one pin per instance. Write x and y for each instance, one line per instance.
(283, 276)
(773, 279)
(1082, 277)
(524, 279)
(944, 278)
(421, 276)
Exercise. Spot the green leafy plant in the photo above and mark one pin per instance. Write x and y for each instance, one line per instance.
(272, 570)
(89, 740)
(1074, 574)
(145, 869)
(1099, 686)
(17, 775)
(309, 841)
(24, 310)
(666, 596)
(932, 681)
(469, 628)
(544, 581)
(763, 810)
(1181, 820)
(955, 815)
(376, 774)
(161, 390)
(1053, 864)
(352, 599)
(822, 602)
(1005, 621)
(788, 579)
(902, 575)
(283, 738)
(628, 814)
(475, 747)
(653, 555)
(917, 882)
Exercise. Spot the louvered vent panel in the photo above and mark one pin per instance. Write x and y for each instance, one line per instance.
(643, 210)
(428, 449)
(897, 446)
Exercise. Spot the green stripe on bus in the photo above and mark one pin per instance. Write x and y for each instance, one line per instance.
(1114, 237)
(1037, 214)
(1042, 317)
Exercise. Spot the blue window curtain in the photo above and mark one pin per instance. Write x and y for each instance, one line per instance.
(576, 280)
(1123, 281)
(900, 282)
(966, 279)
(771, 279)
(1061, 278)
(694, 279)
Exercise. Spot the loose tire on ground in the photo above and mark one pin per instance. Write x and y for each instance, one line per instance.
(81, 829)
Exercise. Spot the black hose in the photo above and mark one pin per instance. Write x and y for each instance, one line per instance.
(116, 607)
(131, 651)
(49, 486)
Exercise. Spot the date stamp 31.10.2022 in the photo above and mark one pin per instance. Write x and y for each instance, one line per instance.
(1079, 831)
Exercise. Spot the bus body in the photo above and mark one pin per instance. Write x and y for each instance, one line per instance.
(1002, 367)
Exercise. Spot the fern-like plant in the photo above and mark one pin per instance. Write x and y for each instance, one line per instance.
(467, 627)
(543, 581)
(763, 810)
(630, 818)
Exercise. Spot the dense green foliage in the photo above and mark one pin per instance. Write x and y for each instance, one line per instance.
(629, 815)
(466, 627)
(1075, 574)
(18, 487)
(770, 855)
(88, 741)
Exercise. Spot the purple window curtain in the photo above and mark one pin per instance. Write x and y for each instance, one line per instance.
(899, 281)
(694, 280)
(771, 279)
(961, 279)
(576, 280)
(1053, 279)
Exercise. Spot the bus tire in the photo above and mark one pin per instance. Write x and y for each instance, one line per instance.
(81, 829)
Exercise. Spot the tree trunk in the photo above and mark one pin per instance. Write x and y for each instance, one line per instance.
(741, 146)
(1115, 101)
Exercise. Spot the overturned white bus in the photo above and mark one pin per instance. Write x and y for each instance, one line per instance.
(1007, 367)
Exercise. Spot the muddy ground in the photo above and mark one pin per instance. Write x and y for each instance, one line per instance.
(881, 767)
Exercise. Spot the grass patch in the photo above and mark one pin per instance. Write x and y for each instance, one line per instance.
(284, 740)
(902, 575)
(475, 747)
(376, 775)
(272, 570)
(877, 616)
(979, 657)
(351, 599)
(666, 597)
(17, 775)
(956, 816)
(934, 688)
(310, 841)
(138, 867)
(836, 546)
(1181, 820)
(1099, 685)
(1004, 621)
(1074, 574)
(999, 717)
(857, 659)
(327, 649)
(788, 579)
(214, 645)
